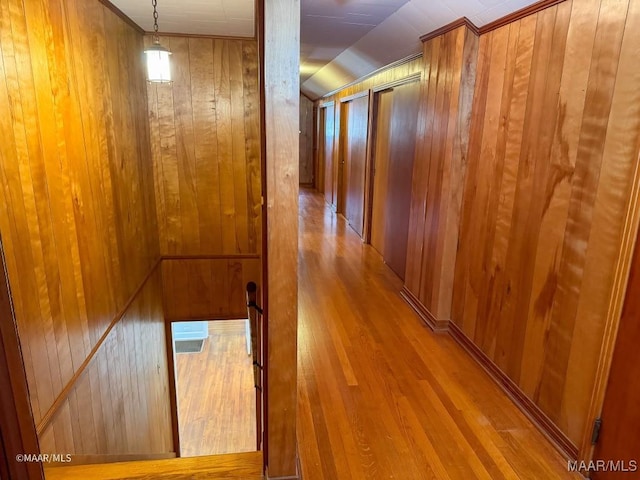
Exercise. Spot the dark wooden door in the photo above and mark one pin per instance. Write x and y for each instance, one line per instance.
(355, 161)
(327, 129)
(384, 104)
(620, 433)
(402, 142)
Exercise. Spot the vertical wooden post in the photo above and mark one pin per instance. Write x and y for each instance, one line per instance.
(280, 68)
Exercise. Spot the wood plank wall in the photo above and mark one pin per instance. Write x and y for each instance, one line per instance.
(206, 148)
(96, 418)
(208, 288)
(206, 152)
(439, 169)
(521, 210)
(79, 220)
(553, 146)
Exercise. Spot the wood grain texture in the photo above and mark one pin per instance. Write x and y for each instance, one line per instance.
(326, 156)
(77, 181)
(207, 289)
(384, 76)
(245, 466)
(440, 167)
(120, 405)
(281, 49)
(383, 109)
(380, 395)
(18, 429)
(552, 159)
(620, 418)
(402, 142)
(310, 174)
(206, 147)
(217, 416)
(354, 161)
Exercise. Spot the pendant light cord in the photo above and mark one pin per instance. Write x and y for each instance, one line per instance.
(156, 38)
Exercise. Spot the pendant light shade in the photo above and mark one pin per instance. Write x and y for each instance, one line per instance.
(158, 65)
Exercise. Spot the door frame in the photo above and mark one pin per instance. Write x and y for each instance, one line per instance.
(342, 140)
(614, 314)
(374, 107)
(17, 426)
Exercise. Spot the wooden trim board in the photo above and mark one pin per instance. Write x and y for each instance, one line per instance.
(416, 77)
(461, 22)
(518, 15)
(562, 443)
(355, 96)
(397, 63)
(623, 270)
(122, 15)
(530, 409)
(438, 326)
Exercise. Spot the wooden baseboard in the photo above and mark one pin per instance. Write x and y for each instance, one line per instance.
(524, 403)
(530, 409)
(438, 326)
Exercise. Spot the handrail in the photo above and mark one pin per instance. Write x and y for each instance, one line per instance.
(254, 313)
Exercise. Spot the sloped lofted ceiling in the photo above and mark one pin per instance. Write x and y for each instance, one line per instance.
(341, 40)
(392, 38)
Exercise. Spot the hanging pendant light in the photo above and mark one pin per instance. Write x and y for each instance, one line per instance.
(158, 65)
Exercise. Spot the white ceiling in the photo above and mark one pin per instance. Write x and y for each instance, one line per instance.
(233, 18)
(394, 38)
(341, 40)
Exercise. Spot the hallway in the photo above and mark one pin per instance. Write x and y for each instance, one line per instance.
(380, 395)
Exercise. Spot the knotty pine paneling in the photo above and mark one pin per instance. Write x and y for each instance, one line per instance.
(120, 405)
(439, 167)
(206, 148)
(553, 147)
(76, 180)
(207, 289)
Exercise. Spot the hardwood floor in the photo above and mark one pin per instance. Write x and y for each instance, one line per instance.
(216, 397)
(244, 466)
(380, 395)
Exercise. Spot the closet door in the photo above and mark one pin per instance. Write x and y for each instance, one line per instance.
(384, 103)
(355, 158)
(404, 118)
(327, 119)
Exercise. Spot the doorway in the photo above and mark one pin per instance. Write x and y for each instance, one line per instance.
(395, 122)
(326, 123)
(354, 136)
(214, 387)
(618, 445)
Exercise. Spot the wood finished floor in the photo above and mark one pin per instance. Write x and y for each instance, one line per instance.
(216, 396)
(380, 395)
